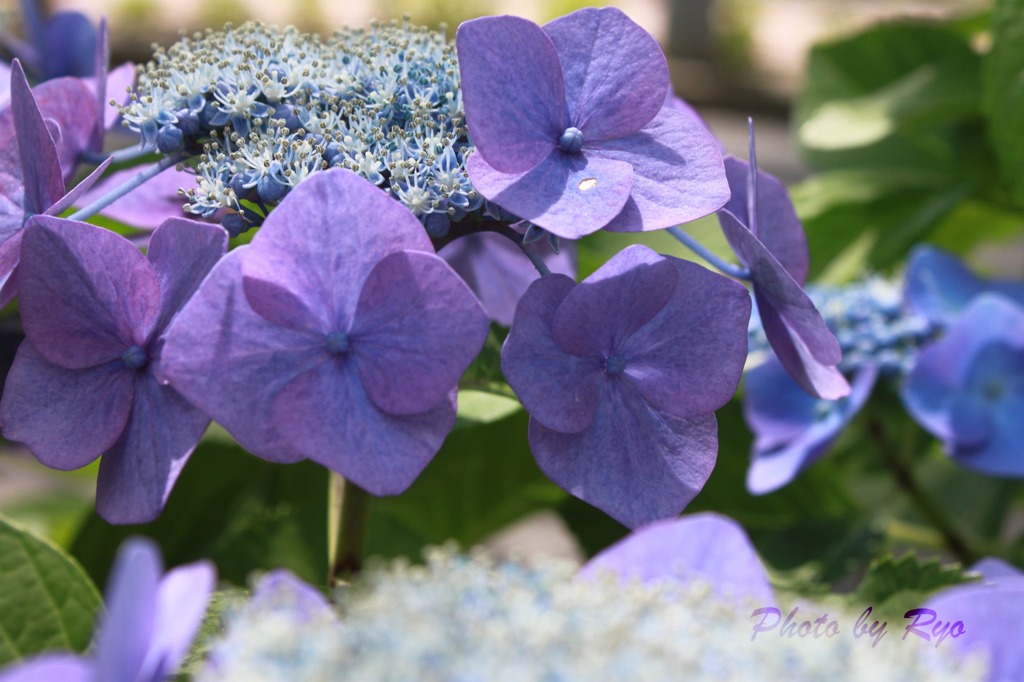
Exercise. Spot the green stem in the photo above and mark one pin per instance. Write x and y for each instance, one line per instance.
(904, 476)
(349, 516)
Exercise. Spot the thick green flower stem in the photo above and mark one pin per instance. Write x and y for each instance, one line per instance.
(349, 514)
(902, 473)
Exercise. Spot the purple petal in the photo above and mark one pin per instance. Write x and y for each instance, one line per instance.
(180, 606)
(49, 667)
(570, 195)
(44, 183)
(66, 417)
(613, 303)
(119, 82)
(616, 77)
(87, 294)
(139, 470)
(778, 227)
(231, 363)
(5, 85)
(994, 569)
(148, 206)
(633, 463)
(72, 196)
(416, 329)
(775, 462)
(127, 629)
(300, 270)
(513, 91)
(688, 359)
(183, 252)
(498, 271)
(678, 174)
(794, 327)
(98, 84)
(71, 103)
(282, 589)
(328, 416)
(558, 389)
(69, 45)
(704, 547)
(10, 254)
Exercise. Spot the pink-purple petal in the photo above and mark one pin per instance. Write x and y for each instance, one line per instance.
(87, 294)
(138, 472)
(71, 103)
(611, 305)
(66, 417)
(181, 601)
(416, 329)
(633, 463)
(616, 76)
(231, 363)
(558, 389)
(49, 667)
(76, 192)
(688, 360)
(513, 91)
(678, 173)
(183, 252)
(41, 171)
(127, 628)
(327, 415)
(10, 254)
(570, 195)
(150, 204)
(301, 270)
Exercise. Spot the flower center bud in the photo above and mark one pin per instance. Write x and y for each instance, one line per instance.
(614, 365)
(135, 358)
(337, 343)
(571, 140)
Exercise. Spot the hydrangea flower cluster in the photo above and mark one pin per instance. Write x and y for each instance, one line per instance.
(268, 108)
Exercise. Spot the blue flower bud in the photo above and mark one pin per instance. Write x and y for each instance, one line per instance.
(169, 139)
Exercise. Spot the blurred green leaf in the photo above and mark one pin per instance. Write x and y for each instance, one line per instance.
(243, 513)
(893, 586)
(483, 478)
(480, 407)
(47, 601)
(1004, 92)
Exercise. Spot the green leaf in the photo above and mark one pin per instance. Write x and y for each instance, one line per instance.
(1003, 92)
(481, 407)
(894, 586)
(47, 601)
(242, 512)
(483, 478)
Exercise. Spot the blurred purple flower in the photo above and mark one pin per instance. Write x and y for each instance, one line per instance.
(63, 44)
(84, 382)
(337, 335)
(571, 127)
(793, 429)
(704, 547)
(939, 286)
(763, 230)
(496, 270)
(621, 375)
(991, 615)
(31, 180)
(149, 624)
(968, 388)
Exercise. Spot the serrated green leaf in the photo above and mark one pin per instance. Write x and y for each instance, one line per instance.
(894, 585)
(1003, 92)
(47, 602)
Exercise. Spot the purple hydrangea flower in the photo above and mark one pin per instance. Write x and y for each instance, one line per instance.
(337, 335)
(793, 429)
(939, 286)
(621, 375)
(991, 615)
(148, 627)
(708, 547)
(968, 388)
(31, 179)
(571, 127)
(84, 382)
(496, 269)
(763, 230)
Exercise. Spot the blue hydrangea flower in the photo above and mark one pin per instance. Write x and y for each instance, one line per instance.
(762, 228)
(968, 387)
(571, 127)
(85, 380)
(793, 429)
(337, 335)
(621, 375)
(150, 621)
(939, 286)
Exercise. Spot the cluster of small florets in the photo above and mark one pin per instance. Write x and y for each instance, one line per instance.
(469, 618)
(870, 322)
(264, 108)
